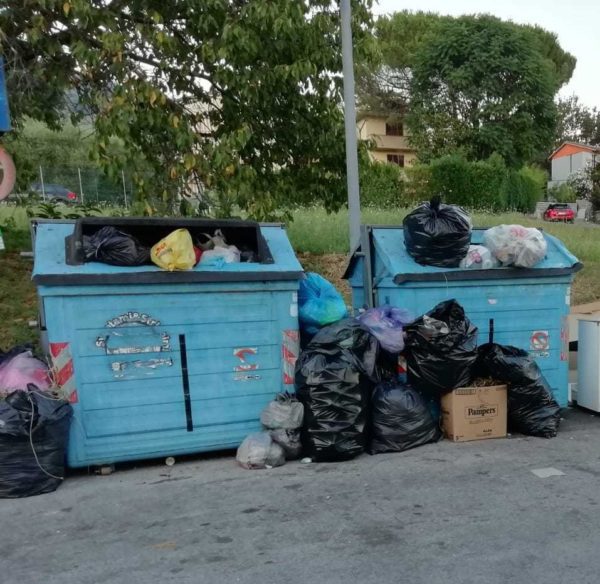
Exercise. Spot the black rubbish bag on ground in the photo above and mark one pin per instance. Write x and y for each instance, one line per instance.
(335, 376)
(531, 408)
(437, 235)
(111, 246)
(34, 430)
(400, 419)
(441, 349)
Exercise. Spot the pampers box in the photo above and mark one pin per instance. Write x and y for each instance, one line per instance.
(474, 413)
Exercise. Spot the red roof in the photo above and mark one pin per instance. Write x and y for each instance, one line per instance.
(568, 148)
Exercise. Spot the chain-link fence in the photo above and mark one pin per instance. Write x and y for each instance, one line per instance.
(90, 185)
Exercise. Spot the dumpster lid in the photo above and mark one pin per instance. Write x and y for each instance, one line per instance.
(388, 244)
(51, 267)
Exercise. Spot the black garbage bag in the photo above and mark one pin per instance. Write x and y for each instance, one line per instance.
(400, 419)
(111, 246)
(532, 409)
(34, 430)
(335, 376)
(441, 349)
(437, 235)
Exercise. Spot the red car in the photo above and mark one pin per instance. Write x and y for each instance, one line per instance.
(559, 212)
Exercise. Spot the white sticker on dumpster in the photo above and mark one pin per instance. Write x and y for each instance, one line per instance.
(568, 296)
(539, 341)
(246, 357)
(294, 305)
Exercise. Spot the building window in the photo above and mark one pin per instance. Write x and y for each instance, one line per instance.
(396, 159)
(396, 129)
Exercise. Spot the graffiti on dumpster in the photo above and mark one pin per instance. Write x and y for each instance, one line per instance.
(122, 368)
(132, 317)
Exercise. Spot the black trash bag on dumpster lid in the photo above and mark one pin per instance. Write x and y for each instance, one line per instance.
(111, 246)
(532, 409)
(400, 419)
(32, 425)
(335, 376)
(437, 235)
(442, 349)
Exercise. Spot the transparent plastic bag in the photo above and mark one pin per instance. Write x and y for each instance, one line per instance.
(479, 257)
(22, 370)
(258, 450)
(386, 324)
(284, 412)
(515, 245)
(290, 441)
(175, 252)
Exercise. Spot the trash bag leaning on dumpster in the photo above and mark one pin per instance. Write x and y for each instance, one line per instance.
(532, 409)
(386, 323)
(441, 349)
(283, 418)
(19, 370)
(319, 303)
(335, 376)
(400, 419)
(437, 235)
(258, 450)
(34, 430)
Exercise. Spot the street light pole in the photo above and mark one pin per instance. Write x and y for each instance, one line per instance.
(350, 124)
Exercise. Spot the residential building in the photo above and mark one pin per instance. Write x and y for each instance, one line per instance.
(388, 138)
(569, 158)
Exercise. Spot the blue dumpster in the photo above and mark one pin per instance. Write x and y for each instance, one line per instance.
(527, 308)
(162, 363)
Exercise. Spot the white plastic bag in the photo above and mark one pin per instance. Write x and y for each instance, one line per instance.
(290, 441)
(479, 258)
(259, 451)
(515, 245)
(220, 256)
(285, 412)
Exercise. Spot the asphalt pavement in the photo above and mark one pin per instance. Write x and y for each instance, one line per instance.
(444, 513)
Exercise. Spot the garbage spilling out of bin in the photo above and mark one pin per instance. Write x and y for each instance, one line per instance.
(437, 234)
(515, 245)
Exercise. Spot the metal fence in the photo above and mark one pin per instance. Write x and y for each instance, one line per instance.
(89, 184)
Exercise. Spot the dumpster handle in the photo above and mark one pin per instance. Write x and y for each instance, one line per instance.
(186, 384)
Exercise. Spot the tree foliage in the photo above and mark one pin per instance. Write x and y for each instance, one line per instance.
(576, 122)
(402, 36)
(481, 86)
(241, 97)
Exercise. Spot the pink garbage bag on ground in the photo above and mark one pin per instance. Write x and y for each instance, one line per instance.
(20, 371)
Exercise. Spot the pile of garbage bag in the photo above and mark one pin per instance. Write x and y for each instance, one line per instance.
(386, 324)
(515, 245)
(176, 251)
(34, 430)
(282, 419)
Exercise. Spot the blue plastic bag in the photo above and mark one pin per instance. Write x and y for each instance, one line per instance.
(385, 323)
(319, 303)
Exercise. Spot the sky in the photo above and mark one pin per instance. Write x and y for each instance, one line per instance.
(575, 23)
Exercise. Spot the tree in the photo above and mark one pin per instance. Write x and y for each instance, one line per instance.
(481, 86)
(403, 36)
(239, 97)
(576, 122)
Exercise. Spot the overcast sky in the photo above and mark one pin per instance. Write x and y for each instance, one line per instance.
(576, 24)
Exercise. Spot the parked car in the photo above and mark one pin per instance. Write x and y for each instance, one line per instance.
(56, 192)
(559, 212)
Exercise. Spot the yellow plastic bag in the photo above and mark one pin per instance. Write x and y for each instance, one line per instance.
(174, 252)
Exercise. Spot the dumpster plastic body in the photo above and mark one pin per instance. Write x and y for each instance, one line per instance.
(527, 308)
(162, 363)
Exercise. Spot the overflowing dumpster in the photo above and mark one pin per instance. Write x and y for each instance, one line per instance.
(159, 363)
(524, 307)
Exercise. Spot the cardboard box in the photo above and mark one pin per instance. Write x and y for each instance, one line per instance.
(474, 413)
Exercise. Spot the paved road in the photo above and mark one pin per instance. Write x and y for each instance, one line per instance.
(445, 513)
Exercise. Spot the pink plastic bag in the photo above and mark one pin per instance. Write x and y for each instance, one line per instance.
(22, 370)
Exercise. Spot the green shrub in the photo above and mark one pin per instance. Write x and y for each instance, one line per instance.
(523, 188)
(562, 194)
(381, 185)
